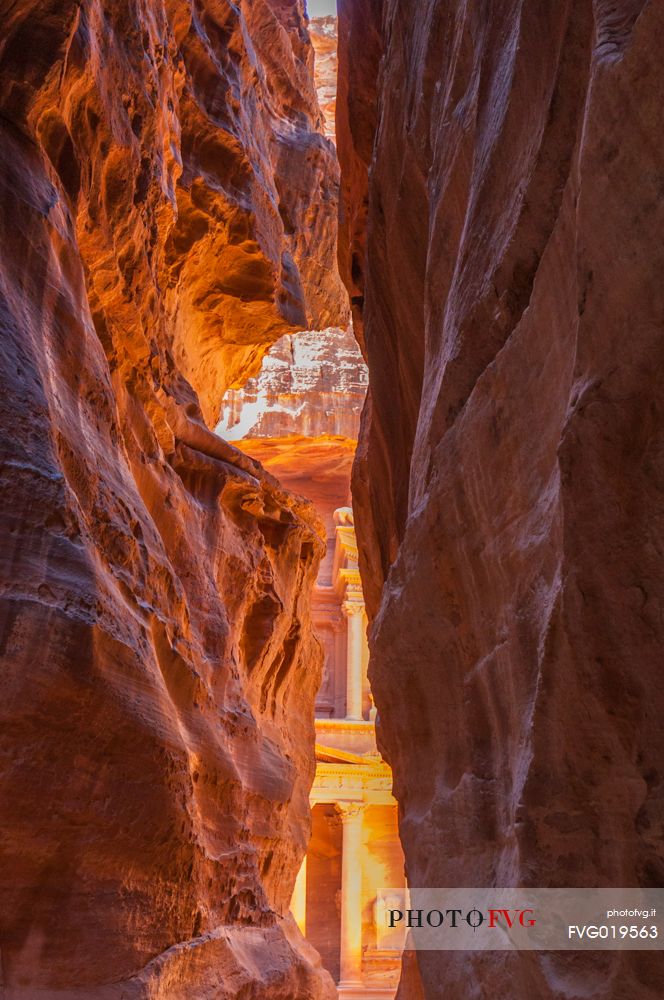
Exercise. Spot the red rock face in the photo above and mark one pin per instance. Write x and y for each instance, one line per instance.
(508, 491)
(356, 125)
(167, 207)
(323, 32)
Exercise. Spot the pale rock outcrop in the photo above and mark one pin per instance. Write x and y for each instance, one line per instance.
(323, 31)
(508, 490)
(300, 418)
(310, 384)
(167, 208)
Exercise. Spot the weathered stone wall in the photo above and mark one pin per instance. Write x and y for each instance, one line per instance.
(508, 489)
(167, 208)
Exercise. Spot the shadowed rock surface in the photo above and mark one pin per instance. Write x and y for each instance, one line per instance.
(167, 207)
(358, 62)
(508, 487)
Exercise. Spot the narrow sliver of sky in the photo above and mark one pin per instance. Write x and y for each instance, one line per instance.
(321, 8)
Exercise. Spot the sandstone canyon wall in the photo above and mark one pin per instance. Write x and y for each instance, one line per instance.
(509, 484)
(167, 211)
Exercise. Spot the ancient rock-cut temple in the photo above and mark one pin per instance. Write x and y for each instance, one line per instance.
(300, 418)
(354, 850)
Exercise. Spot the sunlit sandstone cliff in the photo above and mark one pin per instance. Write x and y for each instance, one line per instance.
(300, 418)
(311, 384)
(323, 31)
(508, 491)
(167, 211)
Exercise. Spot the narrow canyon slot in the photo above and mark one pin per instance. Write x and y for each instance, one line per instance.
(332, 499)
(300, 418)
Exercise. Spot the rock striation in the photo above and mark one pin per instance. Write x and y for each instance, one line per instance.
(508, 487)
(310, 385)
(323, 31)
(356, 110)
(167, 205)
(300, 419)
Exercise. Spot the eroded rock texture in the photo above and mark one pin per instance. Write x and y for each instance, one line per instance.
(357, 82)
(310, 385)
(509, 487)
(323, 32)
(167, 208)
(300, 418)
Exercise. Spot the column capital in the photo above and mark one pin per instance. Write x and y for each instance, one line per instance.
(351, 607)
(349, 810)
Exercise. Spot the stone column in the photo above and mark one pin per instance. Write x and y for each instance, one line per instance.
(354, 612)
(351, 894)
(366, 690)
(298, 904)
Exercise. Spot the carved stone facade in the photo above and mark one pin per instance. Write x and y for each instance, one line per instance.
(355, 850)
(341, 623)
